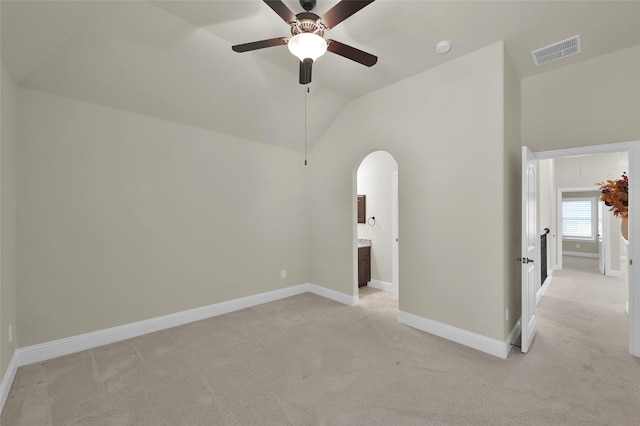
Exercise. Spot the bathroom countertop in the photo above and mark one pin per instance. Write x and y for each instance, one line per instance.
(364, 243)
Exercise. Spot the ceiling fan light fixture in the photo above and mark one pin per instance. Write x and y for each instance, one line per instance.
(307, 46)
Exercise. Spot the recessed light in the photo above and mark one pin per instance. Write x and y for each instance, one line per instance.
(443, 46)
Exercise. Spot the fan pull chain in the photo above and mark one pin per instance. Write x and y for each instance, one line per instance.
(306, 92)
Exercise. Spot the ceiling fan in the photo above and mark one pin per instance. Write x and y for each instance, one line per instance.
(307, 30)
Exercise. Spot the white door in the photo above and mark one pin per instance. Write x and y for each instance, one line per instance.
(601, 257)
(529, 247)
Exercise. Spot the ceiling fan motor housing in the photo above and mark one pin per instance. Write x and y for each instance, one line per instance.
(308, 4)
(307, 22)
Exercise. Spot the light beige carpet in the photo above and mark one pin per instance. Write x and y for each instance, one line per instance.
(306, 360)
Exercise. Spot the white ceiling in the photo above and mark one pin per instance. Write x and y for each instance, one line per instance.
(173, 59)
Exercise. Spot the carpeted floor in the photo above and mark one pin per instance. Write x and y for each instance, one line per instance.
(306, 360)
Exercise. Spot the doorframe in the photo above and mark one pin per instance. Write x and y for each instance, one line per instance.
(395, 236)
(392, 287)
(633, 150)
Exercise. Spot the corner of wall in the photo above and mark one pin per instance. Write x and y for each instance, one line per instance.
(512, 189)
(7, 230)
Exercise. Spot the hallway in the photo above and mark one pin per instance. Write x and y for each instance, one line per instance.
(584, 311)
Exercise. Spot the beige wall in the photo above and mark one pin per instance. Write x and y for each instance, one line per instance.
(593, 102)
(7, 219)
(375, 180)
(512, 166)
(445, 128)
(123, 217)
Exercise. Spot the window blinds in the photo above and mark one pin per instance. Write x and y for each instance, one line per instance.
(578, 218)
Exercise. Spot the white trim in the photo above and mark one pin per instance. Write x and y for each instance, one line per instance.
(513, 337)
(482, 343)
(587, 150)
(382, 285)
(633, 250)
(7, 380)
(395, 237)
(580, 254)
(611, 273)
(53, 349)
(69, 345)
(543, 289)
(327, 293)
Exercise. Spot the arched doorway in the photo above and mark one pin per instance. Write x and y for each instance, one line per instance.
(377, 221)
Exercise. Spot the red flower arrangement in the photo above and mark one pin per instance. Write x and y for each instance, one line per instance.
(615, 194)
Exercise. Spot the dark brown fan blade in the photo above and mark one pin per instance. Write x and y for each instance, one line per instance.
(282, 10)
(351, 53)
(259, 44)
(305, 71)
(342, 11)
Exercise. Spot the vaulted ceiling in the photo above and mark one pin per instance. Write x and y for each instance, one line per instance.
(173, 59)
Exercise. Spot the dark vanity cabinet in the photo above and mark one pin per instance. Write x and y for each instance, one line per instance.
(364, 266)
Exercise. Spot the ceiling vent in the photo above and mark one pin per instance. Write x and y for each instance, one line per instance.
(556, 51)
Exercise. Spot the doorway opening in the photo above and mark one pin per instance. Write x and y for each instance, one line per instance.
(578, 170)
(377, 225)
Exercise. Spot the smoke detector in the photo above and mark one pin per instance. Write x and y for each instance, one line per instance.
(443, 46)
(556, 51)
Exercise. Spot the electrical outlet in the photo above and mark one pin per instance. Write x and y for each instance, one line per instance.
(506, 314)
(283, 273)
(10, 333)
(577, 245)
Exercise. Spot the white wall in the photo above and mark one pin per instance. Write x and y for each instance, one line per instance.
(445, 128)
(123, 217)
(375, 180)
(7, 220)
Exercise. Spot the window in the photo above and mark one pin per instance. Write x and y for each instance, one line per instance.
(578, 218)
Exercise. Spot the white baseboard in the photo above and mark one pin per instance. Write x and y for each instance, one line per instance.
(467, 338)
(542, 290)
(53, 349)
(7, 380)
(56, 348)
(382, 285)
(513, 336)
(345, 299)
(580, 254)
(610, 273)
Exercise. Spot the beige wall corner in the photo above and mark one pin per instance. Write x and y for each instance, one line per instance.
(7, 220)
(125, 217)
(445, 129)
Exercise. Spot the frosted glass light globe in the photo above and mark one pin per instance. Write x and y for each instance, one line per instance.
(307, 45)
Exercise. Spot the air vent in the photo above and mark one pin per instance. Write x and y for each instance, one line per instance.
(556, 51)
